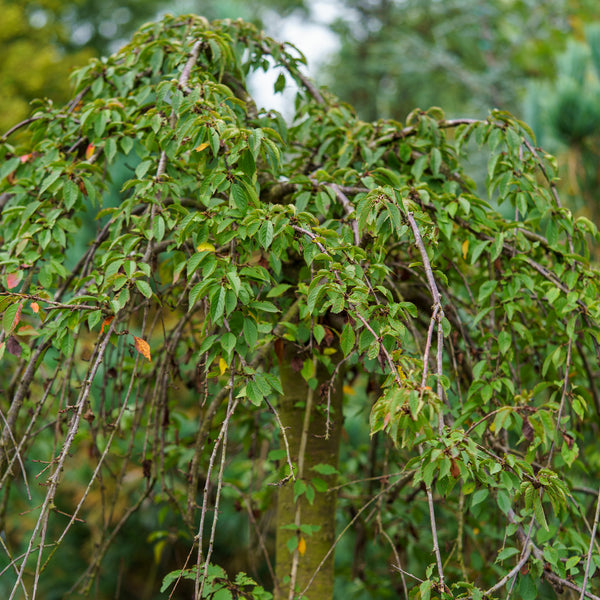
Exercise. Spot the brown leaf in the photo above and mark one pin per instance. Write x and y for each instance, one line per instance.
(297, 363)
(147, 468)
(279, 347)
(454, 469)
(13, 346)
(89, 416)
(527, 430)
(329, 337)
(142, 347)
(568, 440)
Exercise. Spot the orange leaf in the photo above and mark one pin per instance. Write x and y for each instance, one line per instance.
(106, 323)
(35, 307)
(12, 279)
(17, 317)
(142, 347)
(89, 151)
(301, 546)
(201, 147)
(25, 157)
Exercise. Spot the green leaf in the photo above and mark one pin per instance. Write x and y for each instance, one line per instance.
(144, 288)
(506, 553)
(217, 305)
(479, 496)
(71, 194)
(325, 469)
(8, 166)
(316, 290)
(538, 511)
(299, 489)
(504, 341)
(347, 339)
(250, 333)
(9, 317)
(265, 234)
(278, 290)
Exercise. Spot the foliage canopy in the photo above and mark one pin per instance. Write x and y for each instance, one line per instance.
(244, 251)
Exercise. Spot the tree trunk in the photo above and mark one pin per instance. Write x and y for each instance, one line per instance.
(301, 563)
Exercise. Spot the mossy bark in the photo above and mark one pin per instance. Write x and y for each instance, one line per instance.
(319, 449)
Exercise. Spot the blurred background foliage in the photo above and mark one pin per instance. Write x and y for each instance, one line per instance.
(391, 55)
(564, 113)
(539, 59)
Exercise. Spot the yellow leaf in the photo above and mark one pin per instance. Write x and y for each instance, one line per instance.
(349, 390)
(222, 366)
(201, 147)
(205, 246)
(89, 151)
(465, 248)
(301, 547)
(142, 347)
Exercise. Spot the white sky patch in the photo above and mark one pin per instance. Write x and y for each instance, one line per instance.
(312, 37)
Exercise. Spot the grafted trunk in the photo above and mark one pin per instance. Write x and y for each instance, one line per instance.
(318, 450)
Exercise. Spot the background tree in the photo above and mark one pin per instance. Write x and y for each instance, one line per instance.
(565, 115)
(464, 55)
(262, 279)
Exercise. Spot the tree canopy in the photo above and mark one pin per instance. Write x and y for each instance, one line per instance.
(263, 290)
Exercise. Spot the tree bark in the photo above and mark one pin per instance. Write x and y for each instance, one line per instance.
(318, 449)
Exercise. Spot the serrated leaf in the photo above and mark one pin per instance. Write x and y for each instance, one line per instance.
(265, 234)
(538, 511)
(144, 288)
(11, 316)
(347, 339)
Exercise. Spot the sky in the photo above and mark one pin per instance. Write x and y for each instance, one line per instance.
(312, 37)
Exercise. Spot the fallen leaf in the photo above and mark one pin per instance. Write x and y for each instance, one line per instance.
(142, 347)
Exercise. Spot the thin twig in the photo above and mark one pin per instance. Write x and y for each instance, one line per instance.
(524, 558)
(588, 559)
